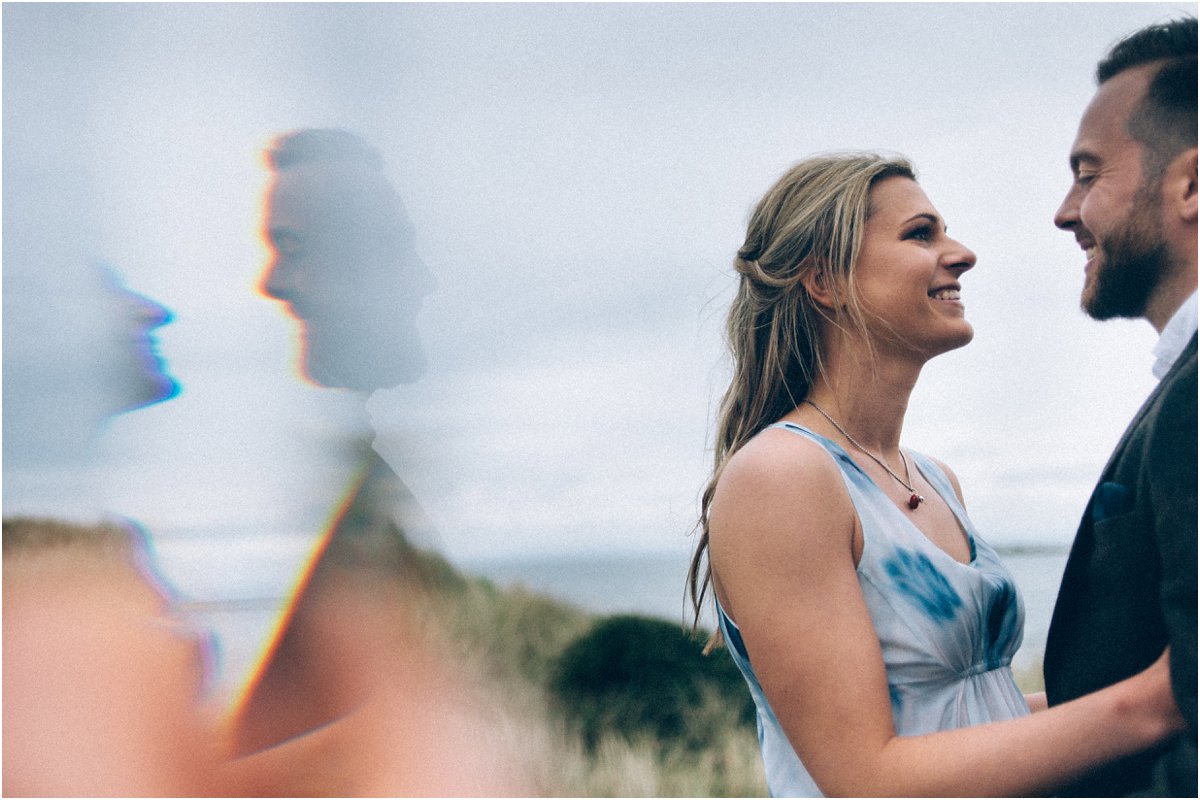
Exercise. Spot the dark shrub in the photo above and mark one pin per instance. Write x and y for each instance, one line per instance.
(641, 676)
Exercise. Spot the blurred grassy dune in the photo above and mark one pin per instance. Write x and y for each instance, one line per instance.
(616, 706)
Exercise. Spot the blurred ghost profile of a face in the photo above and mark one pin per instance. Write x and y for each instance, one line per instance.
(342, 259)
(135, 371)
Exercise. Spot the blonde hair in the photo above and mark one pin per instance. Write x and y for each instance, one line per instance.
(808, 226)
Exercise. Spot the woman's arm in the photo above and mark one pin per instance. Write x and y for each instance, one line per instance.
(782, 544)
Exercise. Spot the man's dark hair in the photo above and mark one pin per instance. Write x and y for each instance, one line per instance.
(1165, 119)
(321, 145)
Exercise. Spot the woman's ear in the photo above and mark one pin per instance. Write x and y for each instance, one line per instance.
(817, 286)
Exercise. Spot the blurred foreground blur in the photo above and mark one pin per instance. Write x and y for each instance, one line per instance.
(431, 683)
(103, 690)
(100, 686)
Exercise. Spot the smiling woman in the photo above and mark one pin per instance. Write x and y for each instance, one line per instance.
(873, 624)
(907, 261)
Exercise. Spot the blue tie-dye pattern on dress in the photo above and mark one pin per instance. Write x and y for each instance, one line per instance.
(915, 576)
(947, 630)
(1000, 619)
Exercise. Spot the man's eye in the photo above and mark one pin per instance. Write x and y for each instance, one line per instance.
(286, 245)
(1083, 179)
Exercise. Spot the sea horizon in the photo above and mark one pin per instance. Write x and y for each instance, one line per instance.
(653, 583)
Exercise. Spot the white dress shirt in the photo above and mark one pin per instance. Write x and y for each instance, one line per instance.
(1175, 336)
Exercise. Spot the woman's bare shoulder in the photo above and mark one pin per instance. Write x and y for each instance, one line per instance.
(779, 480)
(781, 523)
(779, 457)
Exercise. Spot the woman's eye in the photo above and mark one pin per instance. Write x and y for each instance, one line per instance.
(923, 233)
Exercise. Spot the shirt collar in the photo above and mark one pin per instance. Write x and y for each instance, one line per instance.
(1175, 337)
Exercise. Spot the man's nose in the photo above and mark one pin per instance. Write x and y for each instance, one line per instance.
(1067, 215)
(276, 281)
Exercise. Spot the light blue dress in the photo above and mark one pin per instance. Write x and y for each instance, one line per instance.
(948, 630)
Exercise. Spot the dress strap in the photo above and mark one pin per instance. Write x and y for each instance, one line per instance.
(836, 450)
(731, 632)
(940, 481)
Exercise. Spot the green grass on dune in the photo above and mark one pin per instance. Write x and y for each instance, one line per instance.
(599, 706)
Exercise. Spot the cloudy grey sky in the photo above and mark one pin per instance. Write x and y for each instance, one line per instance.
(579, 178)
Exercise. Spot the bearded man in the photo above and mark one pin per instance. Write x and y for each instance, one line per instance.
(1129, 589)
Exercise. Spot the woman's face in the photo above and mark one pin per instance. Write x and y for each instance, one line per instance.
(907, 273)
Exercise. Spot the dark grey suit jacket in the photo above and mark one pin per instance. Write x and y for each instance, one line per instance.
(1129, 588)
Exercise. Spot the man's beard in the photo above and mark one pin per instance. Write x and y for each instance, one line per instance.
(1132, 262)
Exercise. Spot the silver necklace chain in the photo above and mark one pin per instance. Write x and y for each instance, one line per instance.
(914, 499)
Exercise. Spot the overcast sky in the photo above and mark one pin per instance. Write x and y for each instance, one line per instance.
(579, 178)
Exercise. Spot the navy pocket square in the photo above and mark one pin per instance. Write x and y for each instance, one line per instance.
(1111, 500)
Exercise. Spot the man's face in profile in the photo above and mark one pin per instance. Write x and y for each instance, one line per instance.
(1113, 211)
(342, 258)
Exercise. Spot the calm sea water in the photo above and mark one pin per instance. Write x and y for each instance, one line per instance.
(653, 585)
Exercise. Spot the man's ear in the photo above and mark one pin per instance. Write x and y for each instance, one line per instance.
(1190, 207)
(1181, 185)
(817, 286)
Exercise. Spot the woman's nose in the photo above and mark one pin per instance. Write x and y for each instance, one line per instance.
(960, 258)
(147, 312)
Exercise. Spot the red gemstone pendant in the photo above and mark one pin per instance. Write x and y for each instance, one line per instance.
(915, 500)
